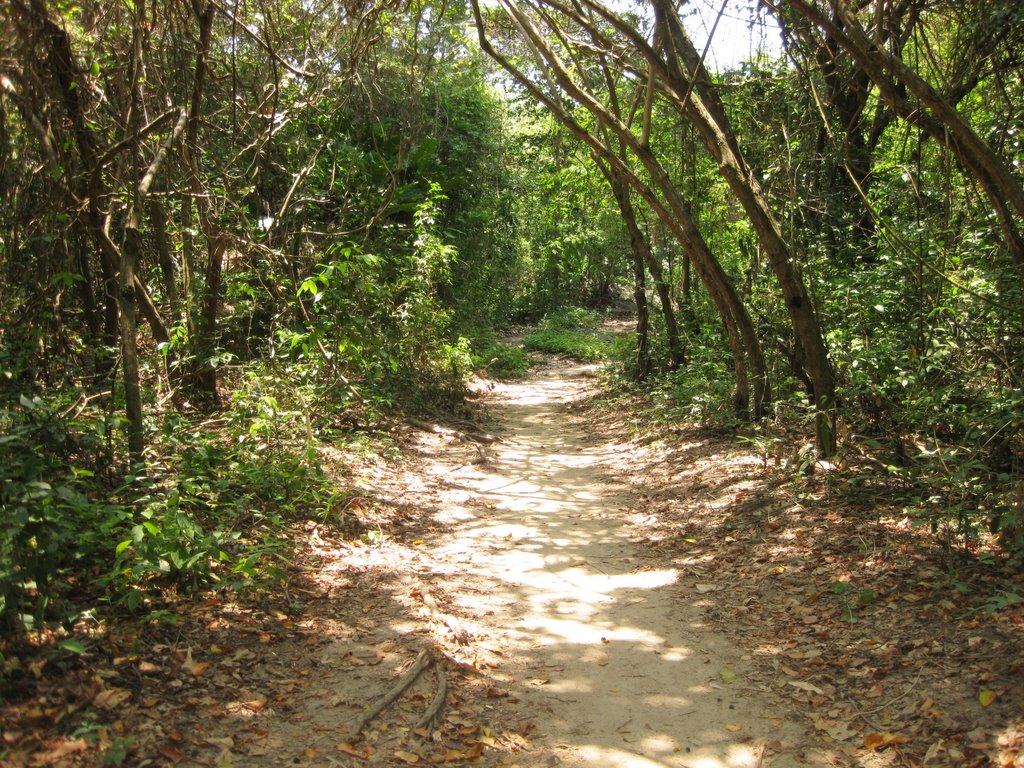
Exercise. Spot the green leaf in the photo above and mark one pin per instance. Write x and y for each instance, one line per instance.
(839, 587)
(866, 597)
(72, 645)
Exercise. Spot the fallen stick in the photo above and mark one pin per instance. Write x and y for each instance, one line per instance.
(423, 660)
(430, 716)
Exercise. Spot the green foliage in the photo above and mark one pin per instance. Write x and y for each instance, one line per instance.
(51, 528)
(701, 390)
(496, 358)
(367, 227)
(570, 331)
(571, 319)
(218, 510)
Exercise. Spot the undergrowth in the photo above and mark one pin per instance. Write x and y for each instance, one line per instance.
(571, 332)
(957, 481)
(496, 358)
(214, 507)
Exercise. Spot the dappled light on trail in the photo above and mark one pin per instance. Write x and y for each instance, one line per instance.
(591, 634)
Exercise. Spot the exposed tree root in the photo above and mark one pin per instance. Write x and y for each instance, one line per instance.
(423, 660)
(437, 705)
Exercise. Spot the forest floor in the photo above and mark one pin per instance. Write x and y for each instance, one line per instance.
(571, 595)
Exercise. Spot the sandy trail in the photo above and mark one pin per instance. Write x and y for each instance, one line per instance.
(596, 641)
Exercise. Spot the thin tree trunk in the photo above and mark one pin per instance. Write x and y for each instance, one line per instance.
(693, 94)
(677, 355)
(158, 220)
(638, 249)
(204, 373)
(129, 349)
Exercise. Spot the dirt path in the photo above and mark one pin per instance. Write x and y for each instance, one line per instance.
(594, 636)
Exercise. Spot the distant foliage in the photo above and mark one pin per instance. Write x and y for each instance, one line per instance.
(572, 332)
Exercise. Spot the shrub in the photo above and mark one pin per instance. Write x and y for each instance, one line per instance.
(496, 358)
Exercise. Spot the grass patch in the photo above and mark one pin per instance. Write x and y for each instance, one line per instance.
(571, 319)
(578, 344)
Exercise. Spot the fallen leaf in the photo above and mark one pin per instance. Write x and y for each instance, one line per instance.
(805, 686)
(455, 755)
(703, 589)
(409, 757)
(878, 741)
(348, 749)
(985, 698)
(171, 752)
(194, 668)
(733, 727)
(60, 751)
(841, 732)
(727, 675)
(111, 697)
(256, 704)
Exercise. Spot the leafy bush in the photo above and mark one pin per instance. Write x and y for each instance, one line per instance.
(701, 390)
(217, 512)
(506, 361)
(496, 358)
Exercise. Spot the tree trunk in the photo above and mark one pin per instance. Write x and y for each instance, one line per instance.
(677, 356)
(158, 220)
(639, 250)
(203, 376)
(674, 212)
(129, 348)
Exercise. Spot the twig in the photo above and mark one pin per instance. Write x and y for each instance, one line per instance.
(423, 660)
(887, 704)
(430, 716)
